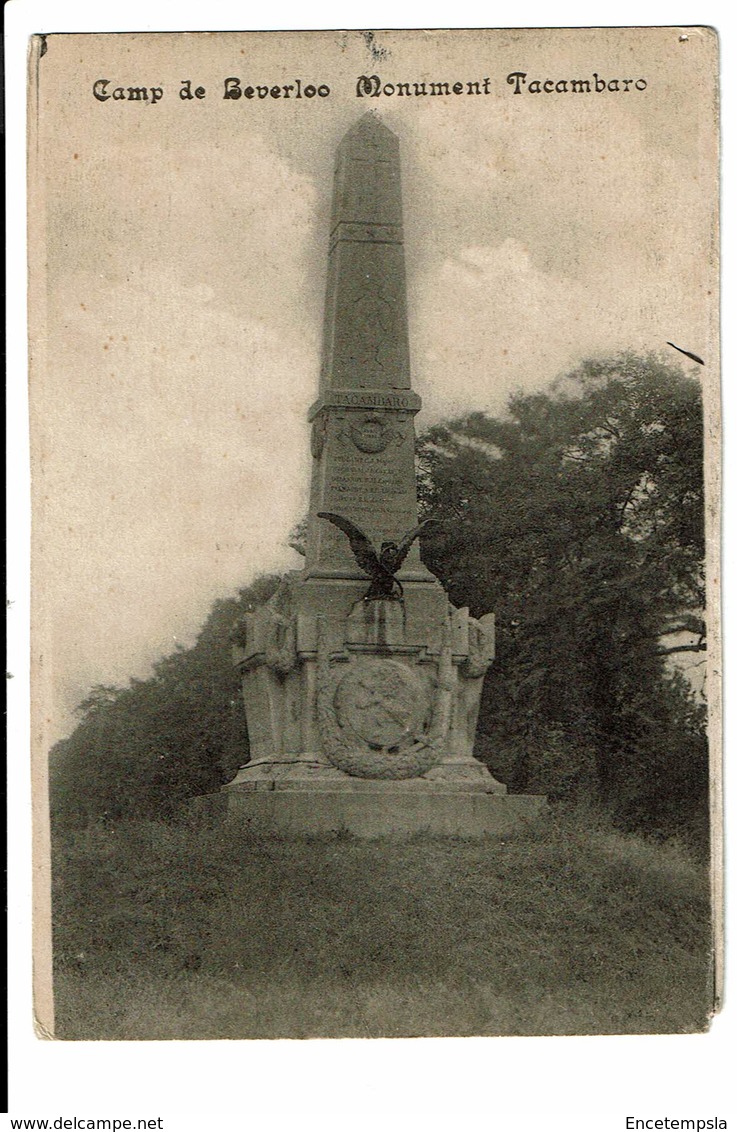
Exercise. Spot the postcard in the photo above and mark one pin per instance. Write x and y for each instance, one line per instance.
(375, 434)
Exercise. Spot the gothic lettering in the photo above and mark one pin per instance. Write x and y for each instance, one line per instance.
(371, 86)
(518, 80)
(151, 94)
(233, 90)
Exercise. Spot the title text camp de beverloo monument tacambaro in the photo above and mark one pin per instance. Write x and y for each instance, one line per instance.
(247, 91)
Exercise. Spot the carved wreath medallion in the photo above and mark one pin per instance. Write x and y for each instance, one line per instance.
(382, 703)
(375, 720)
(372, 432)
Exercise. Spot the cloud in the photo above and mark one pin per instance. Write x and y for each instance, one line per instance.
(157, 462)
(237, 219)
(184, 358)
(490, 323)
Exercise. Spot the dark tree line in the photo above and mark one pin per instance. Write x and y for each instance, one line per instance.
(577, 517)
(143, 750)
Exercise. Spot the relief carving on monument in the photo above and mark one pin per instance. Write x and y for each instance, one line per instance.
(319, 434)
(375, 319)
(380, 719)
(371, 432)
(269, 633)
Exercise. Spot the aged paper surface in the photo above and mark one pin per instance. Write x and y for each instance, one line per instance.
(560, 203)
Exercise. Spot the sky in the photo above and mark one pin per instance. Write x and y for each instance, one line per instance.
(178, 260)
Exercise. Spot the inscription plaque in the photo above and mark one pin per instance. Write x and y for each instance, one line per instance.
(366, 473)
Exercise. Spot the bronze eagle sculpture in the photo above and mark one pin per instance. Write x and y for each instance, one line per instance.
(380, 567)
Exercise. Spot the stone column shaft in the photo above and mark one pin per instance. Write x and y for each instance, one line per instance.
(363, 436)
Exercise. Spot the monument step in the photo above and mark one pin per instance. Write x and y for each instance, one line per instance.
(393, 812)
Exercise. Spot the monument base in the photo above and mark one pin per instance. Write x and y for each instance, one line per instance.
(313, 798)
(311, 772)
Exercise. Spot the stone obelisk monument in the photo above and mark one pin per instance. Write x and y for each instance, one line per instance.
(361, 682)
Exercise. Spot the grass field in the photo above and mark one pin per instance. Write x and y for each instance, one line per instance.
(568, 928)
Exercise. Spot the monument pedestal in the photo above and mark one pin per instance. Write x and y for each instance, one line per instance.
(373, 809)
(362, 716)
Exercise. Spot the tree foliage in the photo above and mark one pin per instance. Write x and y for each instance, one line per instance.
(579, 519)
(144, 749)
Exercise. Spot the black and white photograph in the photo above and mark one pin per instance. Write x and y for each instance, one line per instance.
(374, 413)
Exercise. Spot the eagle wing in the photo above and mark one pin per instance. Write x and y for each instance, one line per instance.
(403, 548)
(363, 551)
